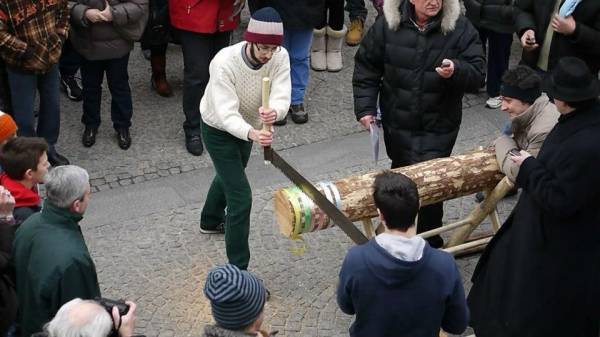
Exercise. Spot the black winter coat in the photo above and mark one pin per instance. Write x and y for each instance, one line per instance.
(396, 63)
(540, 274)
(495, 15)
(584, 43)
(295, 14)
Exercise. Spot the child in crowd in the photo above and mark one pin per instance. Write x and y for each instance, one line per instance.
(24, 161)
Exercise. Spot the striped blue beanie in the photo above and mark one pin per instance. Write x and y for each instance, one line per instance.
(236, 296)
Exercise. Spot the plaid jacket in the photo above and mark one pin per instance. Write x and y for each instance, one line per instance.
(32, 33)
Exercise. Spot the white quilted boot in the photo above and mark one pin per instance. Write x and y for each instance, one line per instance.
(335, 40)
(318, 57)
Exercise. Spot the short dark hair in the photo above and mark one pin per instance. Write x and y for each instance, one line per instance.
(583, 104)
(21, 154)
(522, 77)
(397, 198)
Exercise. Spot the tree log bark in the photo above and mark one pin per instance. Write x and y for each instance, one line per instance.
(437, 180)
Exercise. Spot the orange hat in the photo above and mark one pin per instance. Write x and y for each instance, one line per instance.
(8, 127)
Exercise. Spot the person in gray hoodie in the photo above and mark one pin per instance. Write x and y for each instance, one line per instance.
(103, 32)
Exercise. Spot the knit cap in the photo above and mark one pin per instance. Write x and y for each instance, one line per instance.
(236, 296)
(265, 27)
(8, 127)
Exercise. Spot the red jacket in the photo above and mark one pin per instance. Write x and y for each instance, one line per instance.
(24, 197)
(203, 16)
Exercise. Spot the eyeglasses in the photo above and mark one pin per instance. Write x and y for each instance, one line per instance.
(266, 50)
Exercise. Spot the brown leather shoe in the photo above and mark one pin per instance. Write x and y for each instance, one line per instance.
(355, 33)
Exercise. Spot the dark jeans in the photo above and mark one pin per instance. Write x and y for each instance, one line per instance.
(92, 74)
(335, 9)
(356, 9)
(198, 50)
(23, 89)
(430, 216)
(498, 53)
(229, 189)
(70, 60)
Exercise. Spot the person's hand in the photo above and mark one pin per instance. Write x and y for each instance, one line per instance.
(528, 41)
(106, 13)
(520, 158)
(367, 120)
(93, 15)
(448, 71)
(267, 116)
(7, 203)
(264, 138)
(565, 26)
(127, 321)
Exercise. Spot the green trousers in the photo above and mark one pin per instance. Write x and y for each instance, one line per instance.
(229, 190)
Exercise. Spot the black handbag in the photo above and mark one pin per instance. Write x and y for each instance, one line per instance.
(158, 29)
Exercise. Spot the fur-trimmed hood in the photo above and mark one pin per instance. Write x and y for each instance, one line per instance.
(450, 13)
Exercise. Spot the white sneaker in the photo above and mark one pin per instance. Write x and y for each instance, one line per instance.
(493, 103)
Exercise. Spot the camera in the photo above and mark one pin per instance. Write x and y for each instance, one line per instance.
(108, 304)
(446, 64)
(515, 152)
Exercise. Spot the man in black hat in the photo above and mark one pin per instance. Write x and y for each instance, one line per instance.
(539, 275)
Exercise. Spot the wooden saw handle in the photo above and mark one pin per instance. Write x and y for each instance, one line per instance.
(266, 91)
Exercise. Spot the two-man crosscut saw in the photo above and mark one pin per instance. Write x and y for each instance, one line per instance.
(305, 186)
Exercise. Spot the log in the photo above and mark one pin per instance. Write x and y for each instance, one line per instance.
(437, 180)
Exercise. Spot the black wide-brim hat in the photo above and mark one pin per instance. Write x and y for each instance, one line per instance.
(572, 81)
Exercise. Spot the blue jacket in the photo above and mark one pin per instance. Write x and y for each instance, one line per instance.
(391, 297)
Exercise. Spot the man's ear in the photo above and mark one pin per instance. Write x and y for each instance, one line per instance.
(75, 206)
(381, 216)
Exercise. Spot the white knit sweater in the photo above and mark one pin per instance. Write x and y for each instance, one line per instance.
(233, 94)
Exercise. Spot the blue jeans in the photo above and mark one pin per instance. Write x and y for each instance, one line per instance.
(121, 108)
(23, 88)
(297, 42)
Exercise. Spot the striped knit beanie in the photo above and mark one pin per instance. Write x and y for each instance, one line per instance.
(265, 27)
(236, 296)
(8, 127)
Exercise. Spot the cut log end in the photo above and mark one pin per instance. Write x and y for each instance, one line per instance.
(284, 213)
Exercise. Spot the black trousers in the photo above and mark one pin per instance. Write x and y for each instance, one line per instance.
(335, 10)
(356, 9)
(70, 60)
(198, 50)
(121, 107)
(497, 47)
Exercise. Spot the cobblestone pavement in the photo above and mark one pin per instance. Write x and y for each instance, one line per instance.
(160, 260)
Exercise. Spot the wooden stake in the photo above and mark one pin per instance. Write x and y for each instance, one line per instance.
(481, 211)
(368, 225)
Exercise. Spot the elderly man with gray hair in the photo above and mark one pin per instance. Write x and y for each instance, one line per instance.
(87, 318)
(52, 261)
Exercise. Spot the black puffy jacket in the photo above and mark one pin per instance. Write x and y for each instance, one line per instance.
(584, 43)
(396, 62)
(495, 15)
(295, 14)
